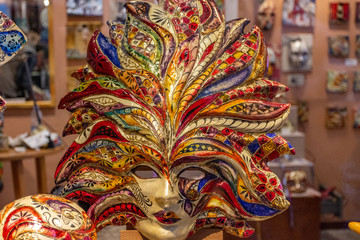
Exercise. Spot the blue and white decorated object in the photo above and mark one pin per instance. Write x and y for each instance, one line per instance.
(12, 39)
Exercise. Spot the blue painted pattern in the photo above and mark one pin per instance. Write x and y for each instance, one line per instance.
(11, 41)
(109, 50)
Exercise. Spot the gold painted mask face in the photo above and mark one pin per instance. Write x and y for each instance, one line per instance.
(175, 123)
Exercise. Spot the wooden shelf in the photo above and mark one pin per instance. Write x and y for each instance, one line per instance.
(17, 167)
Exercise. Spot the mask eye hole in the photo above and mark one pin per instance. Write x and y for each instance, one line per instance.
(144, 172)
(192, 174)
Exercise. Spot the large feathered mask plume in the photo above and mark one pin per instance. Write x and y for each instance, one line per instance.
(175, 90)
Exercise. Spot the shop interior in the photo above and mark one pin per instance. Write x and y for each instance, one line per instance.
(313, 49)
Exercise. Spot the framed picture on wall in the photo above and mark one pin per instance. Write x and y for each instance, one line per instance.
(297, 52)
(339, 46)
(335, 117)
(339, 13)
(337, 81)
(84, 7)
(299, 13)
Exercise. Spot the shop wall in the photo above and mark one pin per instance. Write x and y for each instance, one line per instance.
(335, 153)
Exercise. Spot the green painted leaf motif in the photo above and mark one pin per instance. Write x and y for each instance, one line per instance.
(110, 84)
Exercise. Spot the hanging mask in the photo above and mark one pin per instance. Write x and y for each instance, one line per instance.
(299, 53)
(175, 124)
(266, 15)
(296, 181)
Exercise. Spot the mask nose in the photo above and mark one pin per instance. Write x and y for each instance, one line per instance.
(166, 196)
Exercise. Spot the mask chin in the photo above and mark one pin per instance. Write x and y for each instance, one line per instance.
(155, 231)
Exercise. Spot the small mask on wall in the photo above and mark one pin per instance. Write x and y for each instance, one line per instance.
(335, 117)
(266, 15)
(296, 181)
(299, 13)
(337, 81)
(297, 52)
(339, 13)
(339, 46)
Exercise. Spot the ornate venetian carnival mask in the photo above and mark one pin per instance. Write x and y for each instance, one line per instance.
(175, 124)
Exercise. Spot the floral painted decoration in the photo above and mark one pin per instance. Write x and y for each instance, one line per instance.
(45, 216)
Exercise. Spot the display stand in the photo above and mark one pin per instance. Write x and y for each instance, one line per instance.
(17, 168)
(206, 234)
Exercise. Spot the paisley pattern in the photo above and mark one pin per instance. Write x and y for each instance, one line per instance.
(175, 89)
(45, 216)
(12, 39)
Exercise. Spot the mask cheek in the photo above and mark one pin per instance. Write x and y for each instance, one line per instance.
(189, 194)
